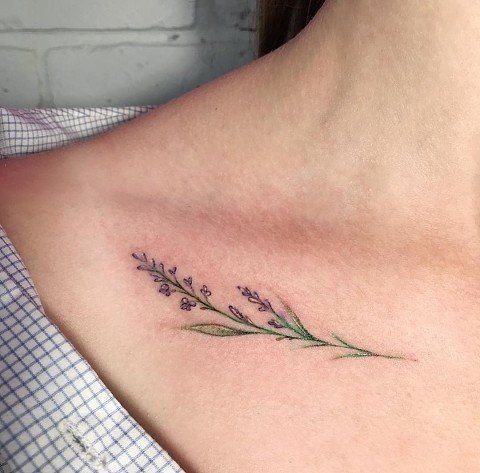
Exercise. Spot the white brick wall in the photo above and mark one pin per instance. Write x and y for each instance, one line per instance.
(236, 13)
(18, 77)
(96, 14)
(118, 52)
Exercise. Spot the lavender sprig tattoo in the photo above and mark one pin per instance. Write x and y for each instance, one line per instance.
(282, 324)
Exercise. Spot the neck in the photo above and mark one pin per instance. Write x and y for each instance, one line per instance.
(388, 94)
(400, 51)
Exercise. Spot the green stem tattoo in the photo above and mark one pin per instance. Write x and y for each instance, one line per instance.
(283, 325)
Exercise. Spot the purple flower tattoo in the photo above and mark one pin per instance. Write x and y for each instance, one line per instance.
(282, 324)
(187, 304)
(164, 288)
(205, 291)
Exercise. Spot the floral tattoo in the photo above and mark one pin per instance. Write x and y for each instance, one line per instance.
(282, 324)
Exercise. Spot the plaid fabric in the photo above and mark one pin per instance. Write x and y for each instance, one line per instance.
(25, 131)
(56, 415)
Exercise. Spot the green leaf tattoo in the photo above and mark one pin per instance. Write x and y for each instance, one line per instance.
(282, 324)
(217, 330)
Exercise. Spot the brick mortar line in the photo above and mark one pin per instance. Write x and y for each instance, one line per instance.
(196, 39)
(187, 27)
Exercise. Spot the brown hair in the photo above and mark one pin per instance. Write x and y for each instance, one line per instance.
(281, 20)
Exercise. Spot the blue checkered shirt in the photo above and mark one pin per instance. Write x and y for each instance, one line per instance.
(56, 415)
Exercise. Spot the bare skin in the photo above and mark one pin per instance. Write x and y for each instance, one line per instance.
(340, 173)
